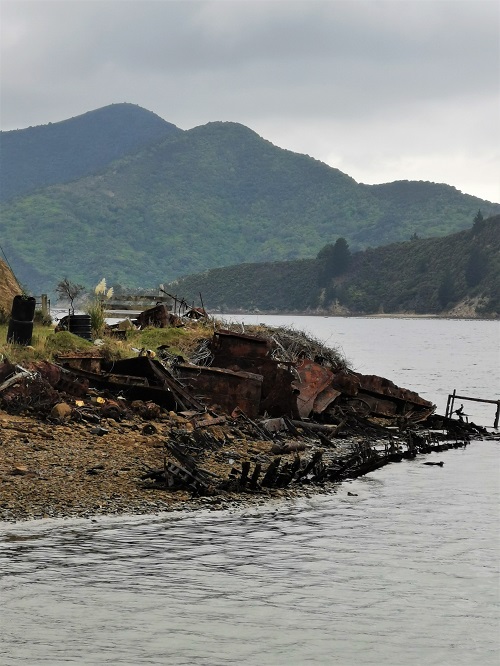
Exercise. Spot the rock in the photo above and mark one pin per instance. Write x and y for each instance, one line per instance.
(99, 430)
(148, 410)
(149, 429)
(19, 470)
(61, 411)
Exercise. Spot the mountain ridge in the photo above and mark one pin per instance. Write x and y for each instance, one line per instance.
(116, 129)
(214, 195)
(457, 275)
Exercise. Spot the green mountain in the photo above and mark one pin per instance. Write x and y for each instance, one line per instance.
(457, 274)
(61, 152)
(212, 196)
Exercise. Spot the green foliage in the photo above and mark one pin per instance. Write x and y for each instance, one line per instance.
(477, 266)
(42, 319)
(152, 338)
(419, 276)
(65, 342)
(446, 290)
(334, 261)
(213, 196)
(97, 306)
(95, 309)
(478, 223)
(68, 150)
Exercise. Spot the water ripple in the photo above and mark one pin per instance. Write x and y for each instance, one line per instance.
(405, 572)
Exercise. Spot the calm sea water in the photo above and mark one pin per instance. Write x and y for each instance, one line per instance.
(404, 571)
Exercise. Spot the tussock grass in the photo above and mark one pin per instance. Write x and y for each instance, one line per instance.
(47, 345)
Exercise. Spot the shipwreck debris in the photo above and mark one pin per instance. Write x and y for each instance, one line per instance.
(248, 414)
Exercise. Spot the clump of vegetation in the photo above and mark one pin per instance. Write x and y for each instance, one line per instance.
(95, 308)
(422, 276)
(290, 345)
(65, 342)
(21, 354)
(42, 319)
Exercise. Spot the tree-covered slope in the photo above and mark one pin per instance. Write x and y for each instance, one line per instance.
(432, 275)
(216, 195)
(60, 152)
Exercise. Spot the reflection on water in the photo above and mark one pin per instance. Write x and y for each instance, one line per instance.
(404, 572)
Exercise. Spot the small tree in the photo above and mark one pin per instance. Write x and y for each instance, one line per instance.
(69, 291)
(478, 222)
(334, 259)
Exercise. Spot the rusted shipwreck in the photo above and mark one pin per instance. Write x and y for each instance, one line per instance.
(244, 372)
(295, 405)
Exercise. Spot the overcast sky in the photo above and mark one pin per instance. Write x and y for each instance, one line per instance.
(383, 91)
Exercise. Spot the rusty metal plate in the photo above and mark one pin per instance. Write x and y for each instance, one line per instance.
(376, 385)
(228, 345)
(225, 388)
(325, 399)
(314, 378)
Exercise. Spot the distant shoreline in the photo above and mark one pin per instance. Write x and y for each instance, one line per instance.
(324, 315)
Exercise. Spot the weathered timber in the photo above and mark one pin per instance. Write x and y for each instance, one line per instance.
(451, 403)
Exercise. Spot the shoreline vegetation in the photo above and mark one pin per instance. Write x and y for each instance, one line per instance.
(94, 453)
(375, 315)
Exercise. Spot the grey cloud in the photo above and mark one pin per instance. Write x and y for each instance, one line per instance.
(356, 64)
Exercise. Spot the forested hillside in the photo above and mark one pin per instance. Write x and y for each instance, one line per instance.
(458, 274)
(213, 196)
(61, 152)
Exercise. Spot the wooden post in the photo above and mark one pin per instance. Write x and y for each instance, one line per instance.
(45, 308)
(245, 469)
(255, 475)
(454, 396)
(452, 402)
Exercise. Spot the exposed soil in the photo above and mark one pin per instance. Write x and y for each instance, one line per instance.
(8, 287)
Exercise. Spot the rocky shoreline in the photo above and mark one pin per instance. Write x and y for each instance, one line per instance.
(274, 416)
(76, 469)
(51, 470)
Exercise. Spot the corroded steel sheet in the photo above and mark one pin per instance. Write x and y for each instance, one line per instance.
(225, 388)
(377, 405)
(325, 399)
(314, 378)
(240, 352)
(159, 317)
(346, 382)
(376, 385)
(228, 345)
